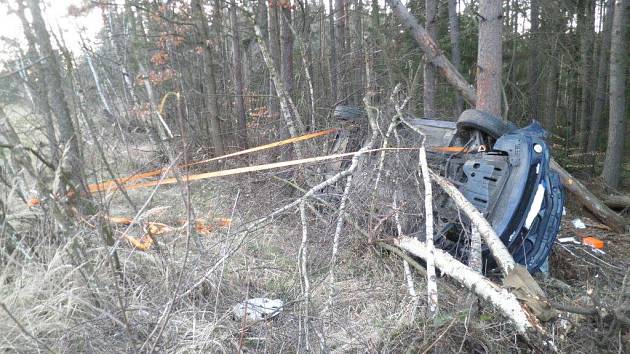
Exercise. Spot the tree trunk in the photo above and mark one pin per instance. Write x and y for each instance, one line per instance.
(359, 58)
(334, 80)
(553, 28)
(340, 38)
(489, 57)
(293, 122)
(430, 74)
(274, 49)
(586, 54)
(433, 52)
(618, 71)
(210, 88)
(453, 21)
(57, 100)
(602, 78)
(286, 47)
(237, 69)
(534, 61)
(40, 99)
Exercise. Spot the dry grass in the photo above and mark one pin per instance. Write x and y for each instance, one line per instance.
(67, 295)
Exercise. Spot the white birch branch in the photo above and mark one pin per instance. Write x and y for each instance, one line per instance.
(500, 298)
(432, 292)
(475, 258)
(286, 103)
(497, 248)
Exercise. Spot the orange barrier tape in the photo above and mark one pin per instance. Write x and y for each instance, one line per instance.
(449, 149)
(256, 168)
(112, 183)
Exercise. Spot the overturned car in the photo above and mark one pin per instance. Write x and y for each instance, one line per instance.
(502, 170)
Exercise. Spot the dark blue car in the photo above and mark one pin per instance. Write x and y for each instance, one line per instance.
(503, 171)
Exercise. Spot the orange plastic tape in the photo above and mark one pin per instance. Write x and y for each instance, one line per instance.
(594, 242)
(123, 181)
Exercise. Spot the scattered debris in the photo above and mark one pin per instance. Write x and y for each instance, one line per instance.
(569, 239)
(593, 242)
(578, 223)
(151, 229)
(257, 309)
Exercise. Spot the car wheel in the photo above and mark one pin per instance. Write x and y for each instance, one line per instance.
(349, 113)
(472, 119)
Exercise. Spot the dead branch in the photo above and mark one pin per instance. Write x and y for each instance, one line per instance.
(497, 248)
(502, 299)
(344, 198)
(618, 201)
(428, 210)
(587, 199)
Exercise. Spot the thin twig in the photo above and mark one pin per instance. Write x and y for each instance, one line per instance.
(26, 332)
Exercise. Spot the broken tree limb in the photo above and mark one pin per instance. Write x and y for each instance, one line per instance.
(455, 78)
(618, 201)
(497, 248)
(428, 210)
(433, 53)
(589, 200)
(500, 298)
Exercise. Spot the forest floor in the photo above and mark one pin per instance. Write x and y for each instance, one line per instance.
(77, 295)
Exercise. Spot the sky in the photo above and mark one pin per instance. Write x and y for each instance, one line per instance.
(56, 16)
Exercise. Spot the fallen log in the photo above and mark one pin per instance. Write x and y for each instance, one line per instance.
(589, 200)
(618, 201)
(435, 55)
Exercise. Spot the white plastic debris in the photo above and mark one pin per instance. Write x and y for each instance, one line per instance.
(578, 223)
(257, 309)
(569, 239)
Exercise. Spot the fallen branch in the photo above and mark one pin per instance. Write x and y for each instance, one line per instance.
(497, 248)
(589, 200)
(618, 201)
(500, 298)
(428, 210)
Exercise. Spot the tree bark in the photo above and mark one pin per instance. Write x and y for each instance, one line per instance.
(618, 201)
(210, 88)
(294, 122)
(340, 38)
(489, 57)
(40, 99)
(453, 21)
(602, 78)
(273, 26)
(237, 62)
(534, 61)
(430, 74)
(586, 55)
(618, 71)
(57, 100)
(553, 27)
(286, 47)
(334, 79)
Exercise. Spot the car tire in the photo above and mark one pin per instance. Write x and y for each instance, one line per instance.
(349, 113)
(472, 119)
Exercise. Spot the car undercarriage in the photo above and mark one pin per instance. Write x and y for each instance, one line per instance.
(502, 170)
